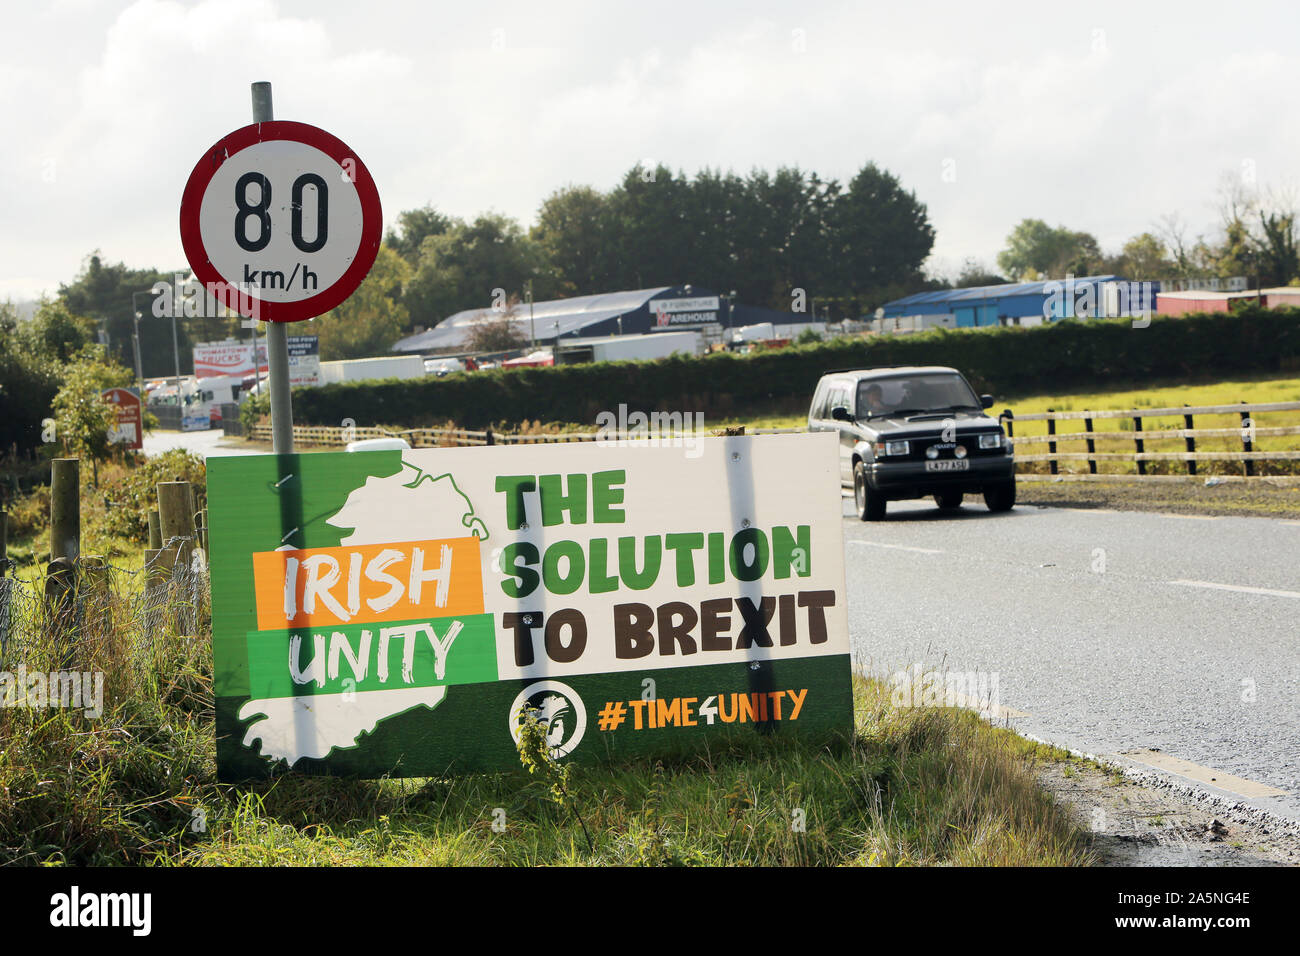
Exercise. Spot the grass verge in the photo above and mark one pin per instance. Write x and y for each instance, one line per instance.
(911, 786)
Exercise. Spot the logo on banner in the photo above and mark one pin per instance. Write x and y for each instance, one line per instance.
(559, 709)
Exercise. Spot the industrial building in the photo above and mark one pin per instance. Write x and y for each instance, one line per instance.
(642, 311)
(1018, 303)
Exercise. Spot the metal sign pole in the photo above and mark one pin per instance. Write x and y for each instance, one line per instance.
(277, 336)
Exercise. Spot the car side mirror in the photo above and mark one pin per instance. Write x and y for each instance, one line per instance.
(986, 401)
(841, 414)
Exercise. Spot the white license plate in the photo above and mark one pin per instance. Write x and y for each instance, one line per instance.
(948, 464)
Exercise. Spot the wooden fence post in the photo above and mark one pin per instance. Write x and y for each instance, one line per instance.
(157, 575)
(65, 533)
(1141, 445)
(1191, 443)
(176, 518)
(155, 530)
(65, 508)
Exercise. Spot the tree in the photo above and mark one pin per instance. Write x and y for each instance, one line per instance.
(575, 233)
(1276, 245)
(29, 380)
(414, 226)
(649, 213)
(881, 236)
(1144, 257)
(474, 264)
(370, 320)
(974, 273)
(1036, 250)
(103, 292)
(495, 331)
(56, 333)
(82, 419)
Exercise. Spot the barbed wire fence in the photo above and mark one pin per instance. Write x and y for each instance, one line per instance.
(132, 608)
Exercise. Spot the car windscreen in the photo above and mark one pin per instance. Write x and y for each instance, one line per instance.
(934, 391)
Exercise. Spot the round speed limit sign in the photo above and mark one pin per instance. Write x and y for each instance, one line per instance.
(280, 221)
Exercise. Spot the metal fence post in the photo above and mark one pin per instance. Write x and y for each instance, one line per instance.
(1051, 445)
(1247, 428)
(1141, 445)
(1092, 447)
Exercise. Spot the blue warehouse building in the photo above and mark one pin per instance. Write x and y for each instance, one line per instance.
(1022, 303)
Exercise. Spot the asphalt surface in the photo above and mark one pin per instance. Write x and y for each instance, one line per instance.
(1078, 614)
(205, 443)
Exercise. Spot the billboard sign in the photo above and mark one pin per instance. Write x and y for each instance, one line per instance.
(223, 358)
(394, 612)
(304, 360)
(701, 310)
(129, 430)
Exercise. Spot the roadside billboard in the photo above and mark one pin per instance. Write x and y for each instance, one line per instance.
(129, 430)
(236, 358)
(394, 612)
(223, 358)
(702, 310)
(304, 360)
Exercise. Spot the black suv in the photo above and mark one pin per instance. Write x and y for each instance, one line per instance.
(912, 431)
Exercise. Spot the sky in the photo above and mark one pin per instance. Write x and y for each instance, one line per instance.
(1103, 117)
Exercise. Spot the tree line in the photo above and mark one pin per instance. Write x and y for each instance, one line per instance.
(788, 240)
(1256, 237)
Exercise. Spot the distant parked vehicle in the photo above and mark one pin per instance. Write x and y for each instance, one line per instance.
(908, 432)
(443, 366)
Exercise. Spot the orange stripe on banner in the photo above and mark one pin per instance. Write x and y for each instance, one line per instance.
(371, 582)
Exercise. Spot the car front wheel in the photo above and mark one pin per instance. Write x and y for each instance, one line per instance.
(1002, 496)
(869, 504)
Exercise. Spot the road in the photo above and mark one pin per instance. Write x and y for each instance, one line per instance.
(1109, 632)
(206, 443)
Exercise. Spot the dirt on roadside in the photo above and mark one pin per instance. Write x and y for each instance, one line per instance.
(1132, 824)
(1260, 498)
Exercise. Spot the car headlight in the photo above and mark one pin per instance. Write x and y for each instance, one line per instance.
(887, 448)
(991, 440)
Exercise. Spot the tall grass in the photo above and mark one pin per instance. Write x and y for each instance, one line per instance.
(138, 786)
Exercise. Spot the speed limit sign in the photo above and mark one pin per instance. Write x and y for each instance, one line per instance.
(280, 221)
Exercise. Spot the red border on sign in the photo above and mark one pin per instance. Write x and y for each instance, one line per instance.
(227, 147)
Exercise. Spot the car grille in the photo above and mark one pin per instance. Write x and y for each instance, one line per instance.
(919, 445)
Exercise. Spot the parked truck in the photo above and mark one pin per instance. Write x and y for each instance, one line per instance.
(354, 370)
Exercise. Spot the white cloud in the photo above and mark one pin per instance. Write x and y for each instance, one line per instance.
(105, 109)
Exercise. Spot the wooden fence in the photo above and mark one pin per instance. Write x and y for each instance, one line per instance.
(1248, 432)
(1143, 422)
(334, 436)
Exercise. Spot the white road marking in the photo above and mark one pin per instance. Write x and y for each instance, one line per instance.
(1216, 778)
(897, 547)
(1166, 514)
(1272, 592)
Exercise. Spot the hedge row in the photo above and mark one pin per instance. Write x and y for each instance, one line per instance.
(1005, 361)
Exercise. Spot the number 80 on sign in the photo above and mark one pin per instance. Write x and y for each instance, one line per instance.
(280, 221)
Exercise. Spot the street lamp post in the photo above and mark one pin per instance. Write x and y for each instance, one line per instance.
(532, 325)
(135, 341)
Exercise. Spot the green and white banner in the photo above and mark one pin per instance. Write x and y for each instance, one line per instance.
(394, 612)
